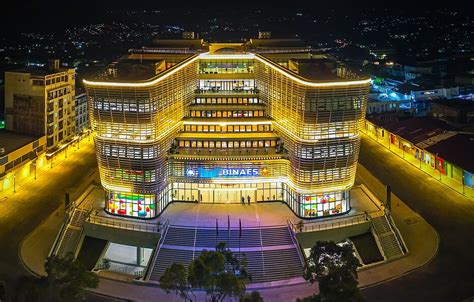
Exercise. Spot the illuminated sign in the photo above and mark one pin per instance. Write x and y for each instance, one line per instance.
(201, 172)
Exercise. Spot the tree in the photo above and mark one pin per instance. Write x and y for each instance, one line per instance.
(254, 296)
(219, 273)
(334, 267)
(174, 279)
(66, 280)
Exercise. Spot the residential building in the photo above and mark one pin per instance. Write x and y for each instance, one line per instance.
(40, 102)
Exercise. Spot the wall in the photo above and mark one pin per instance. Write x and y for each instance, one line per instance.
(308, 239)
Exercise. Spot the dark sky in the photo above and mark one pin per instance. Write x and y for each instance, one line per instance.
(55, 15)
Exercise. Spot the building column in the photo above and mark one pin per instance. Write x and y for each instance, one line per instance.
(139, 255)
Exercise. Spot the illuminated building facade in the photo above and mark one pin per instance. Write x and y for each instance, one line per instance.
(227, 123)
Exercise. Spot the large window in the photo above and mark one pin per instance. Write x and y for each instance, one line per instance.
(226, 66)
(324, 204)
(128, 204)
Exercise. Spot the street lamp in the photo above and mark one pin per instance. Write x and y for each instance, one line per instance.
(14, 183)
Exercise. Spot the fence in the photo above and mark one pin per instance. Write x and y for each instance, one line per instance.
(124, 224)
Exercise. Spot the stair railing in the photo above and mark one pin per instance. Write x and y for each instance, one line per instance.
(396, 231)
(60, 237)
(163, 232)
(295, 242)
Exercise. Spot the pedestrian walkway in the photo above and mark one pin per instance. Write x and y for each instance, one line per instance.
(419, 236)
(51, 167)
(421, 165)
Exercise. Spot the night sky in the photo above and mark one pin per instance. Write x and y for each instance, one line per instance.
(55, 15)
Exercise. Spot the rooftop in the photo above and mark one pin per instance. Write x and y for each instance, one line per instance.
(133, 69)
(315, 69)
(40, 71)
(12, 141)
(418, 129)
(456, 103)
(456, 149)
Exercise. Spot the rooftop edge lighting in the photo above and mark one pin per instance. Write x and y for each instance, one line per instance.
(240, 56)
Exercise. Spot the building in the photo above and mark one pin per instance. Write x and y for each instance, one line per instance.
(20, 156)
(40, 102)
(454, 110)
(429, 144)
(81, 113)
(224, 123)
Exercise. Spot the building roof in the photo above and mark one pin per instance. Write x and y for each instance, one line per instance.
(180, 43)
(457, 149)
(268, 43)
(418, 129)
(40, 71)
(317, 69)
(456, 103)
(12, 141)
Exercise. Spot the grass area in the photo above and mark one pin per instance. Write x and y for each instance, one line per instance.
(90, 251)
(367, 248)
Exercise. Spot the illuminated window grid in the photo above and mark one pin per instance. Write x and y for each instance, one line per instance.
(130, 122)
(315, 119)
(311, 121)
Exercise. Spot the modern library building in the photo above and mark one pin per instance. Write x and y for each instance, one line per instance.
(263, 120)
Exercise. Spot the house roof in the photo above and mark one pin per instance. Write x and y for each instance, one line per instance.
(457, 149)
(418, 129)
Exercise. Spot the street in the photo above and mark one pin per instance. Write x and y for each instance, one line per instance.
(35, 200)
(449, 276)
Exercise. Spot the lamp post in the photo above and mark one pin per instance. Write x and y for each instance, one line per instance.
(463, 192)
(34, 165)
(14, 183)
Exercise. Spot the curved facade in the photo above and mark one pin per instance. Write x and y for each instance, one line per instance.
(228, 128)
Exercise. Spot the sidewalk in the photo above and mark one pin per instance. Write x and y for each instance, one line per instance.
(421, 165)
(421, 239)
(49, 167)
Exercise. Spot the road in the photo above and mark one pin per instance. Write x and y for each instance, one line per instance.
(22, 211)
(449, 277)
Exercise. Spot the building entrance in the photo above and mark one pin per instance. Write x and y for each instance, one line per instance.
(227, 195)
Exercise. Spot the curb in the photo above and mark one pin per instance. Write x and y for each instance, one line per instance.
(20, 246)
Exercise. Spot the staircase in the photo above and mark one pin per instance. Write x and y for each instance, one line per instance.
(270, 252)
(391, 244)
(72, 233)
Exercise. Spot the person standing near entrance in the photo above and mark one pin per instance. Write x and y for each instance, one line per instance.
(243, 200)
(248, 199)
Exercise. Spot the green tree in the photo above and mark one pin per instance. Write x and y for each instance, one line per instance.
(219, 273)
(175, 280)
(66, 280)
(334, 267)
(254, 296)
